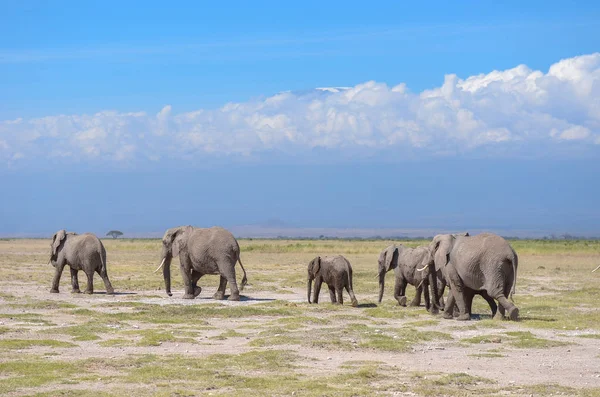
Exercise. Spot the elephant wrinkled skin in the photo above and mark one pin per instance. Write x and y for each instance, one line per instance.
(334, 271)
(484, 264)
(406, 263)
(81, 252)
(202, 251)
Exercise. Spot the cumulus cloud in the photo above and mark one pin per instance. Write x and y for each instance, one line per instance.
(498, 111)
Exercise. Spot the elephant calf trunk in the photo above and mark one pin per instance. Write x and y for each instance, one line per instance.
(308, 289)
(381, 285)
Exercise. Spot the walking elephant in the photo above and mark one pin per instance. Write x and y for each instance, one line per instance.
(202, 251)
(81, 252)
(405, 263)
(334, 271)
(484, 264)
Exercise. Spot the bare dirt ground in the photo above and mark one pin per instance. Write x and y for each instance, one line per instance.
(370, 350)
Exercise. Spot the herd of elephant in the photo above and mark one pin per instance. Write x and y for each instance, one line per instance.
(484, 264)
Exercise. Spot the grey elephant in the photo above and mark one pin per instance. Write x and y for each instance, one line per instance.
(81, 252)
(406, 263)
(334, 271)
(484, 264)
(202, 251)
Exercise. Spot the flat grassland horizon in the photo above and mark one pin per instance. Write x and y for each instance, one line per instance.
(140, 342)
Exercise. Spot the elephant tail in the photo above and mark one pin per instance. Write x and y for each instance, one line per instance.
(515, 263)
(244, 279)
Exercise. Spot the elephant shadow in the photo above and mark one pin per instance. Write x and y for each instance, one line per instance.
(115, 293)
(366, 305)
(243, 298)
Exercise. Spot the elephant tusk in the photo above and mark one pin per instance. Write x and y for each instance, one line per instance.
(421, 283)
(421, 269)
(596, 269)
(161, 265)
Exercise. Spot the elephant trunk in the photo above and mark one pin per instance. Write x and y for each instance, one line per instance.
(167, 274)
(435, 302)
(381, 284)
(308, 289)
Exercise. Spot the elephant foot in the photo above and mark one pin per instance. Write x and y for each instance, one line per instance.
(110, 291)
(402, 301)
(234, 297)
(197, 291)
(447, 315)
(354, 303)
(415, 303)
(188, 296)
(54, 291)
(463, 317)
(88, 292)
(434, 310)
(219, 295)
(74, 291)
(513, 313)
(498, 316)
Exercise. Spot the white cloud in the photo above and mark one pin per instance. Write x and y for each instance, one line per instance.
(516, 108)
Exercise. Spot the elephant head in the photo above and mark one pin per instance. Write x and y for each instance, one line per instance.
(57, 240)
(174, 241)
(388, 260)
(313, 270)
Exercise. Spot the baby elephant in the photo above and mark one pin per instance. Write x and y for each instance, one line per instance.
(336, 272)
(81, 252)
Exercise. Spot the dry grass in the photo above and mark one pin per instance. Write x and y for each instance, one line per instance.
(144, 343)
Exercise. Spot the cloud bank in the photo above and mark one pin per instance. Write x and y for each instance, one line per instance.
(501, 113)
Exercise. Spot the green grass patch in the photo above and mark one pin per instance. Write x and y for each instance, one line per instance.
(526, 340)
(17, 344)
(33, 372)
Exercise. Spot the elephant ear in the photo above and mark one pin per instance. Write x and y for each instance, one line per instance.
(179, 241)
(391, 258)
(57, 239)
(173, 240)
(314, 266)
(441, 248)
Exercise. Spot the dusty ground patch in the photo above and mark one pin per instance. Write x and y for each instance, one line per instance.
(141, 342)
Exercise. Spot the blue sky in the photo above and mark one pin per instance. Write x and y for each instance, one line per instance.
(151, 115)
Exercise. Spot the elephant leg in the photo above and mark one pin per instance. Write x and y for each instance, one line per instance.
(233, 287)
(512, 310)
(449, 307)
(187, 280)
(340, 294)
(56, 280)
(490, 301)
(417, 299)
(458, 291)
(399, 290)
(501, 313)
(74, 281)
(352, 297)
(109, 288)
(468, 294)
(426, 296)
(318, 282)
(332, 294)
(441, 292)
(89, 289)
(194, 278)
(220, 294)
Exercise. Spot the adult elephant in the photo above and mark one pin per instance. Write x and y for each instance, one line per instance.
(202, 251)
(405, 263)
(81, 252)
(484, 264)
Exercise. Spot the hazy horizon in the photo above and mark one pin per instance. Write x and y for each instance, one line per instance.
(388, 117)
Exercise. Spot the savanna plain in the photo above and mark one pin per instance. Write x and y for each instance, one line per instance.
(140, 342)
